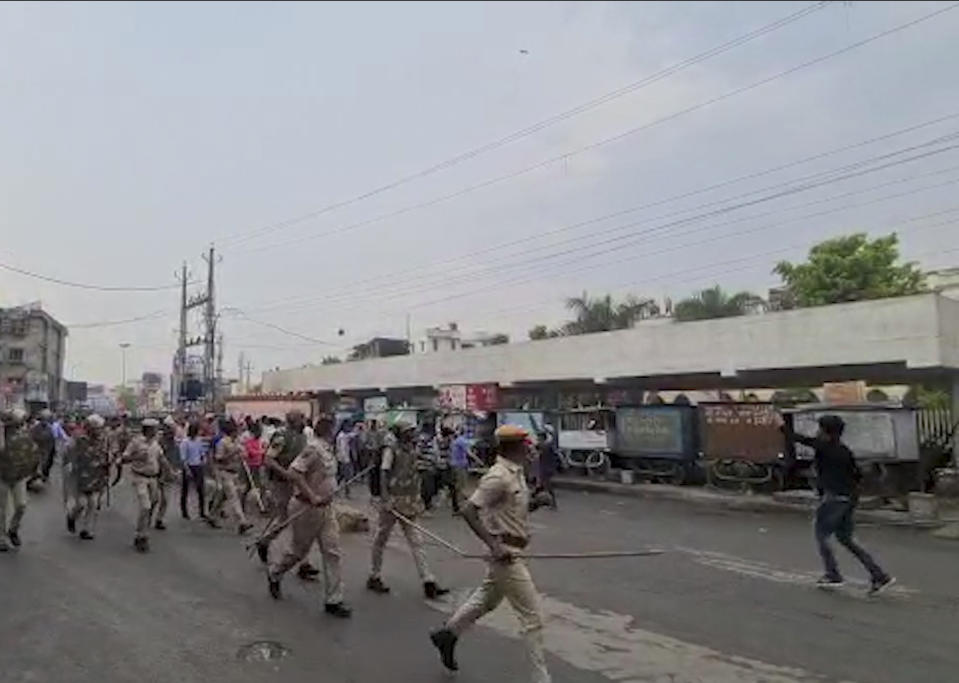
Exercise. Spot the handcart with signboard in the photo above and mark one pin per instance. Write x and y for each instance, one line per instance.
(884, 440)
(658, 442)
(743, 446)
(585, 438)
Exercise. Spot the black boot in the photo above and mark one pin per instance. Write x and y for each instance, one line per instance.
(160, 526)
(14, 537)
(338, 609)
(244, 528)
(433, 591)
(307, 572)
(263, 552)
(140, 544)
(375, 584)
(71, 524)
(445, 641)
(273, 583)
(86, 535)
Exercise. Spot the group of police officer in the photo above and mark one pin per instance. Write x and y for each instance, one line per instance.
(302, 482)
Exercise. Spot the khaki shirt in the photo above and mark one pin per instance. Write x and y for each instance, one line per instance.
(228, 455)
(144, 456)
(503, 499)
(317, 464)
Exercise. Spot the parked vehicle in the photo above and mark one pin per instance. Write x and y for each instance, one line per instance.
(743, 446)
(884, 440)
(585, 438)
(658, 442)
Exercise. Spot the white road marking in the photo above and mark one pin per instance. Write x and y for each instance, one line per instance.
(609, 644)
(761, 570)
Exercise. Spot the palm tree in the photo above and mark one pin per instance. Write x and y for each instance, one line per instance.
(716, 303)
(602, 314)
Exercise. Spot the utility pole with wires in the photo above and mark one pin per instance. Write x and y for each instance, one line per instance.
(207, 301)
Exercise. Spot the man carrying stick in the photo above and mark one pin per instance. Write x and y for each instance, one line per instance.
(313, 474)
(498, 513)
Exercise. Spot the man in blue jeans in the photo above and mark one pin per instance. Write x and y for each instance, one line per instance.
(837, 482)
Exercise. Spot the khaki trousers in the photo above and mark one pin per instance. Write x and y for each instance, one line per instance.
(510, 580)
(147, 491)
(384, 528)
(17, 491)
(86, 509)
(314, 524)
(230, 493)
(280, 494)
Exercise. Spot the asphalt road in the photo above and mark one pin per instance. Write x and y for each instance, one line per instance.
(732, 601)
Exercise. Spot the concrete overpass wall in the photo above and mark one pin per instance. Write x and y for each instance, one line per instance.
(920, 332)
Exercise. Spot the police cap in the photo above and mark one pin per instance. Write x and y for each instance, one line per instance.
(511, 434)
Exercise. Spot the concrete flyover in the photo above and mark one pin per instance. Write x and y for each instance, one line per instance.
(898, 340)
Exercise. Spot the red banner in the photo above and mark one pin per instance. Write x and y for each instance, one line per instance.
(482, 397)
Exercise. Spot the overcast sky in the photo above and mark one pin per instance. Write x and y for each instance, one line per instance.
(134, 135)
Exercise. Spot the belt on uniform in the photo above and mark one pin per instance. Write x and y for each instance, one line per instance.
(148, 476)
(307, 501)
(513, 541)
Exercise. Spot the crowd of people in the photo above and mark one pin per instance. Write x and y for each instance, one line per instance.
(289, 472)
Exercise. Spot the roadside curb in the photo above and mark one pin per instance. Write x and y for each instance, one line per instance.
(718, 500)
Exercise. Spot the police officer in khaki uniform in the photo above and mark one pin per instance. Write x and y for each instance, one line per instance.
(498, 513)
(313, 475)
(88, 459)
(144, 455)
(285, 445)
(400, 490)
(19, 459)
(228, 461)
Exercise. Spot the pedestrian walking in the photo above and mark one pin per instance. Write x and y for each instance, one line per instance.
(254, 453)
(144, 454)
(228, 460)
(43, 436)
(344, 456)
(400, 491)
(19, 459)
(89, 466)
(547, 464)
(837, 482)
(459, 468)
(498, 513)
(313, 475)
(192, 465)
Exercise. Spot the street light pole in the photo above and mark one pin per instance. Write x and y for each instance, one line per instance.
(123, 352)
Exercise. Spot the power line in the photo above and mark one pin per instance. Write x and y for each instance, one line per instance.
(545, 123)
(632, 131)
(776, 191)
(391, 276)
(112, 323)
(752, 257)
(83, 285)
(280, 329)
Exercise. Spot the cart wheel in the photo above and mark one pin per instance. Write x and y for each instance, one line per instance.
(678, 476)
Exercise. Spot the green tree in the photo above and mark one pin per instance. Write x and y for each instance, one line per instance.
(715, 303)
(330, 360)
(603, 314)
(850, 268)
(497, 339)
(539, 332)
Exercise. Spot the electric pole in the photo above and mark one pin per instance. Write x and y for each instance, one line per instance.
(210, 373)
(180, 362)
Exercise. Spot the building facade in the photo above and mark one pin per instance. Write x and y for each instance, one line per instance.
(32, 350)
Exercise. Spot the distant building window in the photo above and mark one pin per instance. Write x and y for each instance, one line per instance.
(15, 355)
(18, 328)
(436, 344)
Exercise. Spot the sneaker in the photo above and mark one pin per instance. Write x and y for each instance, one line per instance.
(877, 586)
(444, 640)
(375, 584)
(432, 591)
(86, 535)
(160, 526)
(263, 552)
(14, 537)
(71, 524)
(338, 609)
(273, 583)
(830, 582)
